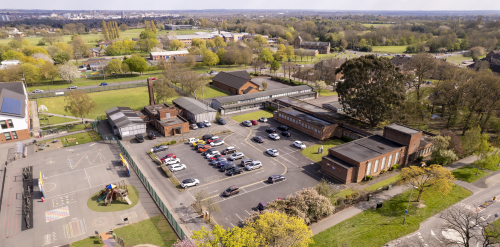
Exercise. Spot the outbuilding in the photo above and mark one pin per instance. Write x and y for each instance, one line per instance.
(125, 122)
(194, 110)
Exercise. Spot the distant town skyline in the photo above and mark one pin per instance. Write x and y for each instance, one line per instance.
(318, 5)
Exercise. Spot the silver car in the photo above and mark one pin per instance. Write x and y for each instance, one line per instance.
(235, 156)
(254, 165)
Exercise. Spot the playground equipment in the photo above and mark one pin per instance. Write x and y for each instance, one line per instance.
(113, 192)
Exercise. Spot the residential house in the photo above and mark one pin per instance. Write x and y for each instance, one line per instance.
(105, 43)
(14, 113)
(96, 52)
(178, 27)
(322, 47)
(235, 82)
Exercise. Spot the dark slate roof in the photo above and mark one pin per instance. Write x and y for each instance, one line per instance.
(367, 148)
(12, 103)
(123, 116)
(402, 128)
(339, 161)
(400, 60)
(192, 105)
(268, 94)
(305, 117)
(311, 43)
(16, 87)
(234, 79)
(199, 59)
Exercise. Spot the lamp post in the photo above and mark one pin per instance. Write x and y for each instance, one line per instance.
(406, 211)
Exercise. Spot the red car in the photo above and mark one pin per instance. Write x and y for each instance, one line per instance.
(215, 157)
(212, 140)
(173, 156)
(152, 78)
(254, 122)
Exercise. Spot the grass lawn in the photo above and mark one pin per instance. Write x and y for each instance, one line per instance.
(81, 138)
(327, 93)
(72, 128)
(210, 92)
(252, 116)
(135, 98)
(117, 205)
(496, 226)
(389, 49)
(312, 151)
(155, 231)
(383, 183)
(377, 227)
(54, 120)
(468, 174)
(491, 162)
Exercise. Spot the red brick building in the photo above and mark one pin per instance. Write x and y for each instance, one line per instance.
(167, 119)
(235, 82)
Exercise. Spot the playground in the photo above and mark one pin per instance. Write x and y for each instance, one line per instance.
(86, 190)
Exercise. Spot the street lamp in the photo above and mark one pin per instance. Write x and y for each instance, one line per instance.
(406, 211)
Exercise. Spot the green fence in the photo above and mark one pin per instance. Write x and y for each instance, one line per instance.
(161, 205)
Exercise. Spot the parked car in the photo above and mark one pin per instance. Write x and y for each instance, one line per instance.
(235, 156)
(276, 178)
(216, 161)
(206, 137)
(254, 122)
(227, 167)
(72, 87)
(214, 157)
(160, 148)
(271, 130)
(214, 138)
(299, 144)
(258, 139)
(286, 133)
(213, 153)
(263, 119)
(212, 72)
(189, 182)
(151, 135)
(204, 149)
(207, 123)
(229, 150)
(198, 146)
(169, 156)
(38, 91)
(171, 161)
(274, 136)
(261, 206)
(201, 125)
(217, 143)
(247, 123)
(193, 140)
(209, 150)
(177, 167)
(194, 126)
(254, 165)
(245, 162)
(283, 128)
(234, 170)
(103, 84)
(233, 190)
(221, 121)
(139, 138)
(273, 152)
(198, 142)
(222, 163)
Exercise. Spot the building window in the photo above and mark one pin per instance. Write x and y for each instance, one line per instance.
(369, 168)
(14, 134)
(397, 158)
(376, 166)
(3, 124)
(383, 164)
(7, 136)
(390, 160)
(11, 125)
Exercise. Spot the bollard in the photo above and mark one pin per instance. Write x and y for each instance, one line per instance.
(43, 199)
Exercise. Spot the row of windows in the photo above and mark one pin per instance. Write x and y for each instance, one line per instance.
(6, 124)
(425, 151)
(305, 125)
(352, 136)
(266, 97)
(382, 167)
(9, 137)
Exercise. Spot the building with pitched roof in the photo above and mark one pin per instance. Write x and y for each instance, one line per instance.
(235, 82)
(322, 47)
(125, 122)
(14, 113)
(167, 54)
(194, 110)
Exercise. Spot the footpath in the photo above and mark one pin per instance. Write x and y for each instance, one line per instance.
(345, 214)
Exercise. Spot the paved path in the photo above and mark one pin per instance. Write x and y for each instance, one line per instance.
(66, 116)
(34, 114)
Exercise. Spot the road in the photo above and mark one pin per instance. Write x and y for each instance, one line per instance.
(93, 86)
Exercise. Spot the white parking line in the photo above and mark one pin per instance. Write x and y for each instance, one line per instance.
(239, 217)
(247, 212)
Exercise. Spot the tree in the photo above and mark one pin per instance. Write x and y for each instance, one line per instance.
(442, 154)
(104, 31)
(235, 236)
(198, 42)
(455, 142)
(275, 65)
(147, 35)
(176, 44)
(290, 54)
(266, 56)
(210, 43)
(199, 197)
(260, 40)
(61, 57)
(432, 177)
(211, 206)
(125, 68)
(280, 55)
(123, 27)
(49, 71)
(471, 140)
(219, 42)
(31, 72)
(153, 28)
(115, 66)
(422, 64)
(79, 103)
(278, 229)
(190, 61)
(68, 72)
(136, 63)
(257, 65)
(320, 86)
(184, 243)
(264, 86)
(476, 52)
(80, 48)
(163, 91)
(224, 25)
(210, 59)
(221, 54)
(372, 88)
(43, 56)
(483, 150)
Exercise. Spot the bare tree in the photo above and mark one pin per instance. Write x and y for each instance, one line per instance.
(199, 197)
(211, 206)
(423, 64)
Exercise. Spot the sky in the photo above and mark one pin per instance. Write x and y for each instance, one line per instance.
(253, 4)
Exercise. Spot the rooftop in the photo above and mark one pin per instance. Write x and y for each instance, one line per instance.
(234, 79)
(153, 109)
(169, 53)
(171, 121)
(339, 161)
(367, 148)
(305, 117)
(402, 128)
(123, 116)
(264, 94)
(192, 105)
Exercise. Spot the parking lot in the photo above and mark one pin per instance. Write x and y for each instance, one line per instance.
(299, 171)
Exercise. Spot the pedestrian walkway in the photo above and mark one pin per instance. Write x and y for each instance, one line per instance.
(35, 121)
(66, 116)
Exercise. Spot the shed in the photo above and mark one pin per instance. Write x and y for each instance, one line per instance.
(125, 122)
(194, 110)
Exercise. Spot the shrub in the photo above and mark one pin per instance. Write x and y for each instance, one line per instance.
(172, 142)
(382, 172)
(394, 167)
(159, 144)
(420, 158)
(368, 177)
(346, 138)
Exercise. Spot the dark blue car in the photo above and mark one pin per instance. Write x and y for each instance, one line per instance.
(222, 121)
(201, 125)
(103, 84)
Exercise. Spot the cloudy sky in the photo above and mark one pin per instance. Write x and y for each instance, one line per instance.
(253, 4)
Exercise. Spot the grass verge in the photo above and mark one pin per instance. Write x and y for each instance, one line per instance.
(312, 151)
(210, 92)
(324, 93)
(377, 227)
(116, 205)
(383, 183)
(389, 49)
(468, 174)
(491, 162)
(252, 116)
(54, 120)
(81, 138)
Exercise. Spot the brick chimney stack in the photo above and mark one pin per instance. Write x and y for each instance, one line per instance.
(151, 93)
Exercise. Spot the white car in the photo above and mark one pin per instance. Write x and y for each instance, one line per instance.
(190, 182)
(273, 152)
(38, 91)
(72, 87)
(177, 167)
(171, 161)
(254, 165)
(216, 143)
(274, 136)
(194, 126)
(212, 154)
(299, 144)
(207, 123)
(247, 123)
(263, 119)
(193, 140)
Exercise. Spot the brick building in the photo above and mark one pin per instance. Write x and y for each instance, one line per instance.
(308, 124)
(14, 112)
(167, 54)
(322, 47)
(235, 82)
(96, 52)
(167, 119)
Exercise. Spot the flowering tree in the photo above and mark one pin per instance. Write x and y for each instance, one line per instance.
(68, 72)
(43, 56)
(183, 243)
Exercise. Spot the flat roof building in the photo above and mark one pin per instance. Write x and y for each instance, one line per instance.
(125, 122)
(167, 54)
(177, 27)
(194, 110)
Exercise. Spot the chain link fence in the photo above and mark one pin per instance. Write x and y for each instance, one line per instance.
(89, 90)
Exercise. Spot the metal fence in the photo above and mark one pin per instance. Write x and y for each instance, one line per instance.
(89, 90)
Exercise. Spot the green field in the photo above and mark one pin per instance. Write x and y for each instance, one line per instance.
(468, 174)
(91, 39)
(81, 138)
(54, 120)
(312, 151)
(154, 231)
(377, 227)
(135, 98)
(210, 92)
(252, 116)
(395, 49)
